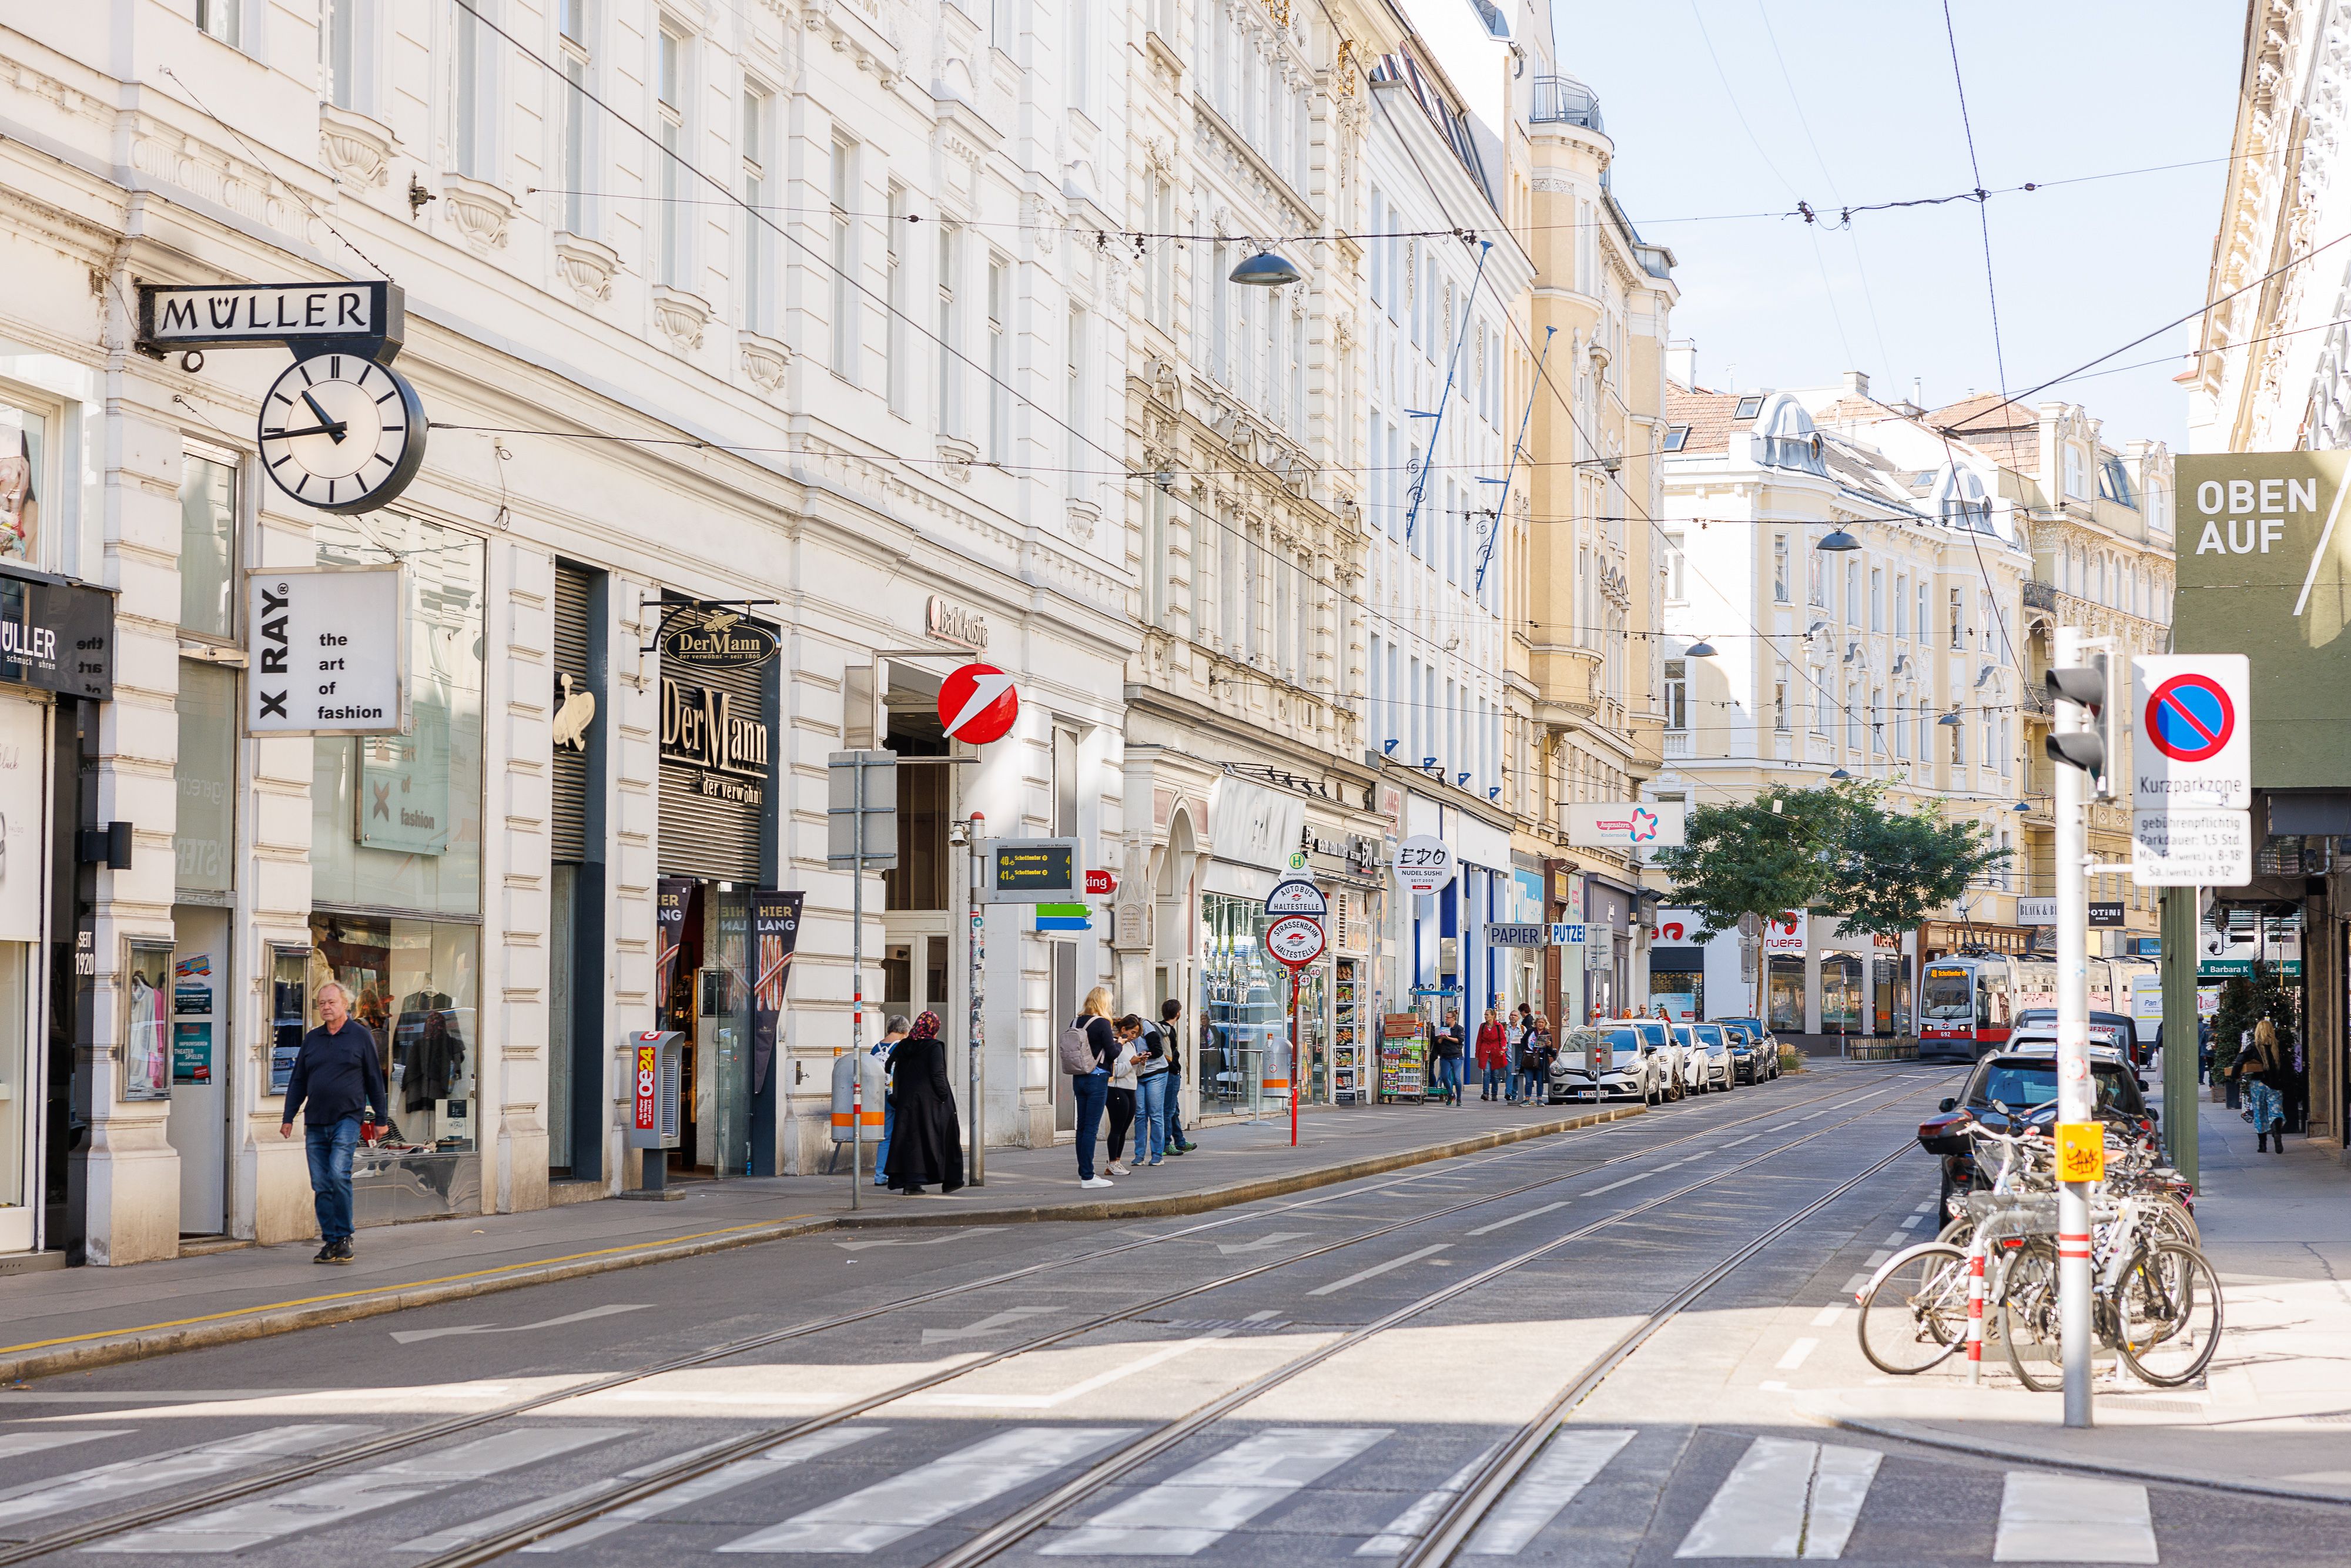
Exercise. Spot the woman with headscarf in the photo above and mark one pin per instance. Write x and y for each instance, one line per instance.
(924, 1142)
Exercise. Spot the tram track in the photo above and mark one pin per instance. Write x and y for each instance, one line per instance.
(165, 1511)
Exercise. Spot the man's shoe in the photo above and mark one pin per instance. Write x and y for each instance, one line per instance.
(327, 1254)
(343, 1253)
(1095, 1181)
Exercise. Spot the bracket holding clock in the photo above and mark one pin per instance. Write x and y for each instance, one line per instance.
(341, 430)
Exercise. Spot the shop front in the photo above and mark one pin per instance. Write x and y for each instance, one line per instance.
(1607, 946)
(1244, 1042)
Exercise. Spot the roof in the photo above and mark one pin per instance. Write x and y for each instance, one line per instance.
(2006, 431)
(1708, 415)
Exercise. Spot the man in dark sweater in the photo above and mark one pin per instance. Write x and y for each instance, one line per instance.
(337, 1075)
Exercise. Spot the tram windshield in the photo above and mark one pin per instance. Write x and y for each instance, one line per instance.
(1948, 995)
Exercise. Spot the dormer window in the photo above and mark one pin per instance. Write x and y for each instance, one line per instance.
(1676, 436)
(1749, 407)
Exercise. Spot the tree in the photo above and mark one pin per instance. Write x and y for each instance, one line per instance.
(1893, 869)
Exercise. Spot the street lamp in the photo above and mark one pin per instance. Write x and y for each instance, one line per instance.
(1611, 463)
(1840, 773)
(1950, 720)
(1837, 540)
(1701, 649)
(1266, 269)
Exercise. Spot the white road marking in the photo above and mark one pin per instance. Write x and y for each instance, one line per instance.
(1795, 1354)
(1565, 1466)
(1194, 1509)
(1612, 1185)
(994, 1322)
(1856, 1283)
(1901, 1237)
(964, 1235)
(1413, 1522)
(13, 1444)
(1376, 1270)
(1272, 1238)
(1786, 1498)
(1736, 1141)
(928, 1493)
(1827, 1316)
(2047, 1517)
(1875, 1259)
(450, 1537)
(337, 1499)
(1774, 1386)
(412, 1336)
(154, 1472)
(1854, 1100)
(1913, 1223)
(1076, 1390)
(1781, 1128)
(1530, 1214)
(759, 1467)
(1927, 1208)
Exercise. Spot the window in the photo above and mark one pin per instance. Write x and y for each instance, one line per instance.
(669, 81)
(1852, 593)
(1677, 694)
(1074, 413)
(1853, 715)
(2004, 746)
(1298, 375)
(1749, 407)
(1228, 590)
(476, 94)
(2158, 511)
(893, 295)
(845, 261)
(222, 19)
(1252, 597)
(340, 51)
(1959, 744)
(2076, 482)
(1878, 598)
(1412, 290)
(1220, 331)
(1675, 587)
(1159, 294)
(1987, 752)
(758, 284)
(1894, 717)
(999, 360)
(207, 545)
(1080, 52)
(950, 332)
(2114, 483)
(1779, 707)
(1922, 629)
(1878, 722)
(24, 483)
(1779, 569)
(1958, 629)
(1987, 619)
(1816, 570)
(575, 59)
(1902, 607)
(1926, 732)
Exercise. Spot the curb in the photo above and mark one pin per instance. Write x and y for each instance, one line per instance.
(2014, 1455)
(263, 1323)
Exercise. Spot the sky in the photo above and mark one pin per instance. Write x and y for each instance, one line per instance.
(1837, 102)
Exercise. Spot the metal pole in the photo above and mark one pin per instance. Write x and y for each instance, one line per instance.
(2075, 1100)
(978, 992)
(2181, 1047)
(1293, 1056)
(857, 980)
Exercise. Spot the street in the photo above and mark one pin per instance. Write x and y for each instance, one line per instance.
(1309, 1379)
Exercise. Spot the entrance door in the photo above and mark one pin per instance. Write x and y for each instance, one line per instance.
(197, 1126)
(914, 972)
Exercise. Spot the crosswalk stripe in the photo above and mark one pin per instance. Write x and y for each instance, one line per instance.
(1786, 1498)
(450, 1537)
(14, 1444)
(726, 1478)
(890, 1510)
(1192, 1510)
(1795, 1354)
(2049, 1518)
(1376, 1270)
(242, 1525)
(61, 1494)
(1413, 1522)
(1564, 1468)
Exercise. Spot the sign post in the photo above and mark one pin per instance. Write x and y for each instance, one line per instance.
(1295, 941)
(2075, 1103)
(861, 823)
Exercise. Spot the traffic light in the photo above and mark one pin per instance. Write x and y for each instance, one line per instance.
(2098, 749)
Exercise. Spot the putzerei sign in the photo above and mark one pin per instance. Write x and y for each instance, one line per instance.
(327, 650)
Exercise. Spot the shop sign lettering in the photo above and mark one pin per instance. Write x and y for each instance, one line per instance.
(950, 622)
(704, 728)
(716, 640)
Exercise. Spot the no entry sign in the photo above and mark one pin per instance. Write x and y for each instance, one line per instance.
(977, 704)
(2192, 750)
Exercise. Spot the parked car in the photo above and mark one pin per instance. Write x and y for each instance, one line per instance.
(1747, 1053)
(1710, 1050)
(1631, 1067)
(2106, 1029)
(1766, 1041)
(2022, 1076)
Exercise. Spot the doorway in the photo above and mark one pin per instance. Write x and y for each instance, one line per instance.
(197, 1124)
(707, 999)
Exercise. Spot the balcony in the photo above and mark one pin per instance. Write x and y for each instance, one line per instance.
(2040, 595)
(1564, 100)
(1568, 678)
(1677, 744)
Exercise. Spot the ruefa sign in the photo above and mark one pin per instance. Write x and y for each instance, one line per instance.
(327, 648)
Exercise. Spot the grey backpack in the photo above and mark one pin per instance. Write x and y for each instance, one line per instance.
(1076, 1050)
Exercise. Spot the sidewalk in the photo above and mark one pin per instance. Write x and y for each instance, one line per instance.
(60, 1320)
(2274, 1416)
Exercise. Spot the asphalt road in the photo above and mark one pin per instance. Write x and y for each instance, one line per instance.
(1336, 1370)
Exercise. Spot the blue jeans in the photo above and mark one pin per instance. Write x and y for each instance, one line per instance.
(1533, 1085)
(1449, 1077)
(1150, 1117)
(1174, 1110)
(330, 1148)
(1092, 1090)
(882, 1149)
(1493, 1081)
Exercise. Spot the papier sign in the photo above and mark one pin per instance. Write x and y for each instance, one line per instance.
(326, 648)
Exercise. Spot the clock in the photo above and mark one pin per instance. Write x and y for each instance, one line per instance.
(341, 433)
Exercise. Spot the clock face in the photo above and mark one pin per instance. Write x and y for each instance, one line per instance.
(342, 433)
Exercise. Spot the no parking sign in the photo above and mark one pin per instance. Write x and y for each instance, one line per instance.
(2193, 750)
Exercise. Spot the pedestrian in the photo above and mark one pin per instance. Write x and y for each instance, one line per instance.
(2236, 1080)
(1493, 1056)
(893, 1031)
(2204, 1051)
(929, 1143)
(1538, 1053)
(1151, 1081)
(1119, 1103)
(338, 1085)
(2262, 1066)
(1087, 1049)
(1170, 1011)
(1448, 1060)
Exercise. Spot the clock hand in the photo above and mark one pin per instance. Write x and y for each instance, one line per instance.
(325, 423)
(335, 430)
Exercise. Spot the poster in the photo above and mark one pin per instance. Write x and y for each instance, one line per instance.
(775, 933)
(1404, 1061)
(670, 899)
(192, 1052)
(147, 1050)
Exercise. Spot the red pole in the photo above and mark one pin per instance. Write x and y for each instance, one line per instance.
(1294, 1075)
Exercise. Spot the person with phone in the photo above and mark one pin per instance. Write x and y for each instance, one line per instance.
(337, 1079)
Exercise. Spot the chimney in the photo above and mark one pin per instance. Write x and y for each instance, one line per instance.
(1681, 361)
(1918, 391)
(1856, 384)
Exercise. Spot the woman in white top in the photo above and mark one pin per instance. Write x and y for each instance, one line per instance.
(1122, 1090)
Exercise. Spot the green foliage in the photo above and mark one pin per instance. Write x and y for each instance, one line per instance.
(2245, 1001)
(1836, 849)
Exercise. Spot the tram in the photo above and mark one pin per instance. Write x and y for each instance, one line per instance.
(1969, 1003)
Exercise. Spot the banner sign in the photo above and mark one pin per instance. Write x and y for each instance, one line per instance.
(775, 933)
(671, 896)
(1644, 824)
(327, 647)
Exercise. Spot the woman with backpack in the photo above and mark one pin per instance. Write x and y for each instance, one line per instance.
(1153, 1082)
(1089, 1047)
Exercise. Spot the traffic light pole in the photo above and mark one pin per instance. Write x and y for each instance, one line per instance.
(2075, 1095)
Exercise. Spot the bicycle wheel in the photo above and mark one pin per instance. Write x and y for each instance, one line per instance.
(2167, 1302)
(2028, 1315)
(1916, 1313)
(2169, 1221)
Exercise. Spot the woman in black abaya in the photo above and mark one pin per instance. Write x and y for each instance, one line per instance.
(924, 1144)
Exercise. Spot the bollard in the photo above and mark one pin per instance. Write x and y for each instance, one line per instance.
(1975, 1308)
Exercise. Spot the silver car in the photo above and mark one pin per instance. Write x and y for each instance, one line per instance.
(1631, 1067)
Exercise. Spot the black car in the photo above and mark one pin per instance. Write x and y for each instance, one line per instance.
(1745, 1054)
(2106, 1029)
(2026, 1083)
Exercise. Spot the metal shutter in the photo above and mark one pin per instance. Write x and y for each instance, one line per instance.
(705, 837)
(572, 585)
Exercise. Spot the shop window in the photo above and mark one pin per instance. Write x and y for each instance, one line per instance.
(23, 483)
(207, 547)
(1784, 995)
(147, 1027)
(1681, 992)
(1841, 995)
(412, 983)
(16, 1094)
(203, 838)
(1243, 998)
(396, 819)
